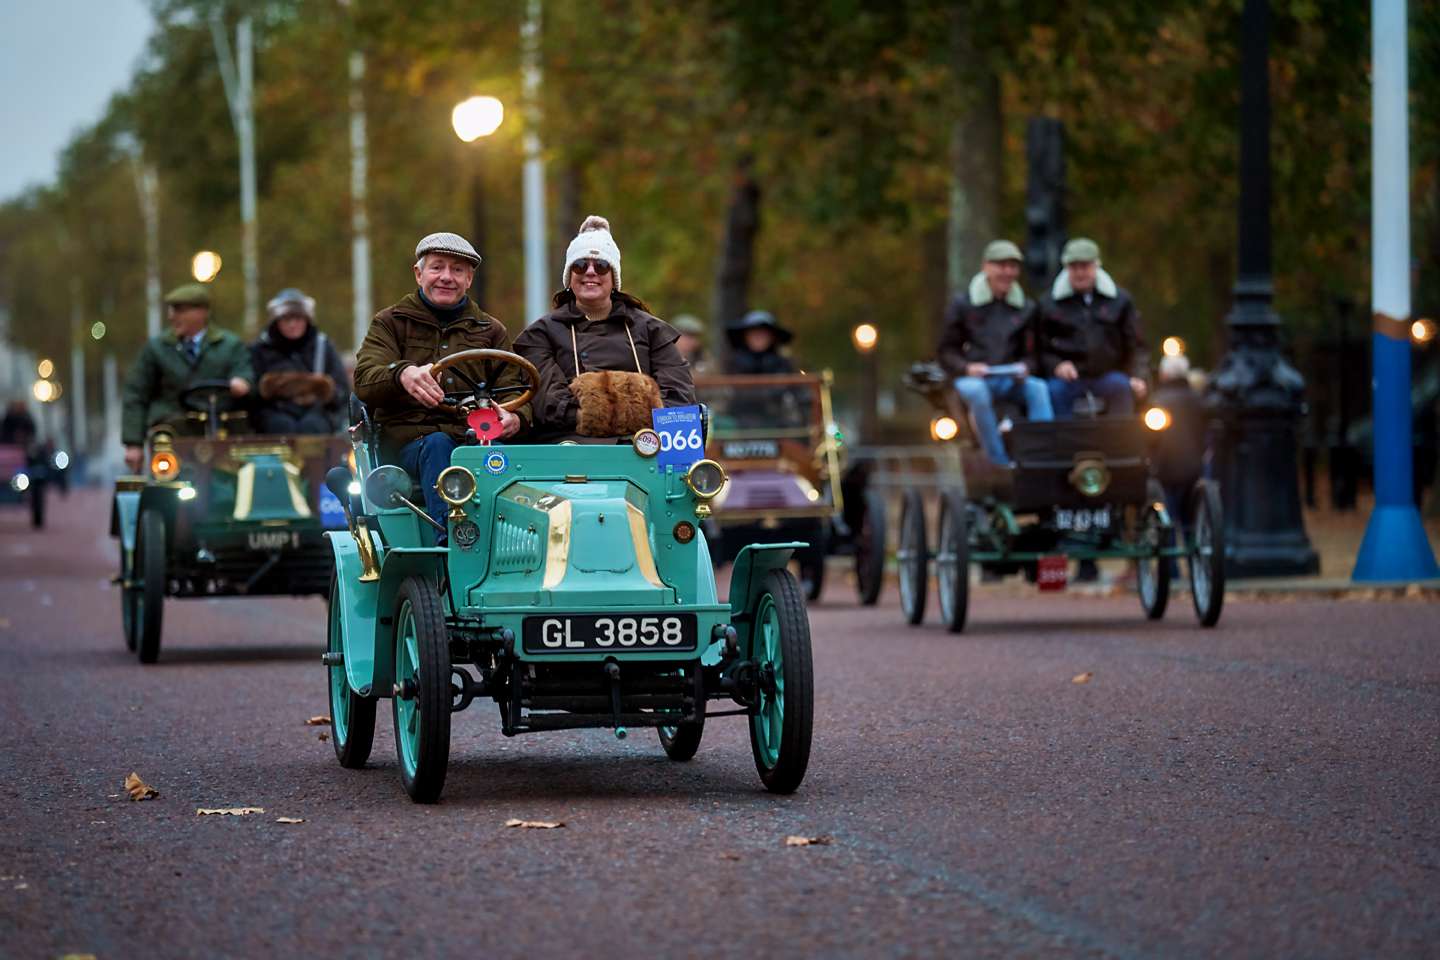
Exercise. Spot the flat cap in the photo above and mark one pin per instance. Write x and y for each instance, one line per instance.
(689, 323)
(1080, 250)
(189, 294)
(997, 250)
(451, 243)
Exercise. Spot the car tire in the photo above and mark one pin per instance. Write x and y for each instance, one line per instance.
(422, 662)
(1152, 573)
(782, 725)
(952, 561)
(1207, 552)
(682, 741)
(912, 558)
(870, 549)
(129, 600)
(150, 594)
(352, 717)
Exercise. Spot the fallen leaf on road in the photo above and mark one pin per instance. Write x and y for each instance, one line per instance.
(729, 856)
(324, 735)
(1082, 677)
(139, 789)
(534, 824)
(318, 722)
(289, 819)
(227, 811)
(22, 886)
(821, 841)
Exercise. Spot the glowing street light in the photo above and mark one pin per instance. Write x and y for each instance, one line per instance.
(1173, 347)
(46, 391)
(45, 368)
(865, 336)
(205, 265)
(1422, 330)
(477, 117)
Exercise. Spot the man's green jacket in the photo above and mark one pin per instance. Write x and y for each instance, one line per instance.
(153, 385)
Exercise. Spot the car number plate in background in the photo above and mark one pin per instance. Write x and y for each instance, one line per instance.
(1050, 572)
(1082, 519)
(582, 632)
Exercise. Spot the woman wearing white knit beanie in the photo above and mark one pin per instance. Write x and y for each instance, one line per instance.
(605, 361)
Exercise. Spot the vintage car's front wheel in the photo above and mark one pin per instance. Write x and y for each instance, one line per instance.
(1152, 572)
(870, 549)
(129, 602)
(150, 593)
(352, 717)
(1207, 553)
(952, 561)
(781, 727)
(421, 706)
(912, 557)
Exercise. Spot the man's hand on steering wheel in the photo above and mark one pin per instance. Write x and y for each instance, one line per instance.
(420, 383)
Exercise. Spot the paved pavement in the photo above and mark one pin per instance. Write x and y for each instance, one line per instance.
(1269, 788)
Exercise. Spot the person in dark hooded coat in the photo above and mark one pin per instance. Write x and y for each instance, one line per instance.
(755, 343)
(302, 383)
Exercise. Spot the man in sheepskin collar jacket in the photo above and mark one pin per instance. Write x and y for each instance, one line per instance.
(1090, 336)
(987, 347)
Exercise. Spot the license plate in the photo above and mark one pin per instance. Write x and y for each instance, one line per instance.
(588, 632)
(268, 540)
(1083, 519)
(1050, 572)
(750, 450)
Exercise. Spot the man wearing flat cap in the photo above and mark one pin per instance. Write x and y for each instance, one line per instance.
(169, 362)
(987, 346)
(392, 370)
(1090, 336)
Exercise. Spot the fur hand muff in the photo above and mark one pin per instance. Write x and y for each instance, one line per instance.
(305, 389)
(613, 403)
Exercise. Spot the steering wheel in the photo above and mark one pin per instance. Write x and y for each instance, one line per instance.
(460, 403)
(207, 396)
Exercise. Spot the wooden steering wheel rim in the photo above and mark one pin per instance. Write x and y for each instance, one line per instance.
(504, 356)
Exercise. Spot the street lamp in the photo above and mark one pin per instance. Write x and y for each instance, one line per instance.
(474, 119)
(45, 369)
(1256, 397)
(205, 265)
(1173, 347)
(866, 338)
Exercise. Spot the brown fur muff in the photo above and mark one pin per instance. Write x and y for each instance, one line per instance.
(614, 403)
(306, 389)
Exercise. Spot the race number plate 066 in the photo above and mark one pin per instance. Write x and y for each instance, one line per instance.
(583, 633)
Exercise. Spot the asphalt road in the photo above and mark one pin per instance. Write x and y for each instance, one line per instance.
(1269, 788)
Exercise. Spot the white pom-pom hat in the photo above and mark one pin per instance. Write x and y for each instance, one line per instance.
(593, 240)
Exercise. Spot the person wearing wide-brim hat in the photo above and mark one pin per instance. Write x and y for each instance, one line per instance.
(605, 361)
(392, 367)
(987, 347)
(190, 351)
(300, 379)
(1090, 336)
(755, 342)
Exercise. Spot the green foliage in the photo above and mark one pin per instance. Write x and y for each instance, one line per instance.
(846, 105)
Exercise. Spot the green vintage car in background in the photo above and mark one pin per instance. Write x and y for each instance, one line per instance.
(576, 590)
(221, 515)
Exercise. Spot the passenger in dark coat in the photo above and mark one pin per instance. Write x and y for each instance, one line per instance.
(1090, 336)
(991, 327)
(755, 342)
(301, 381)
(605, 361)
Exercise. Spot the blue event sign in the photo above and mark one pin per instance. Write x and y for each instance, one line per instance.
(681, 440)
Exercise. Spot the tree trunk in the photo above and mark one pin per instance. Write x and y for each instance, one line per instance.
(737, 256)
(975, 149)
(567, 206)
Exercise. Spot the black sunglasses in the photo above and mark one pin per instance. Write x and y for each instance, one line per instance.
(581, 267)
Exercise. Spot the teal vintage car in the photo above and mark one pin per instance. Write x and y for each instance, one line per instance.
(576, 590)
(221, 514)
